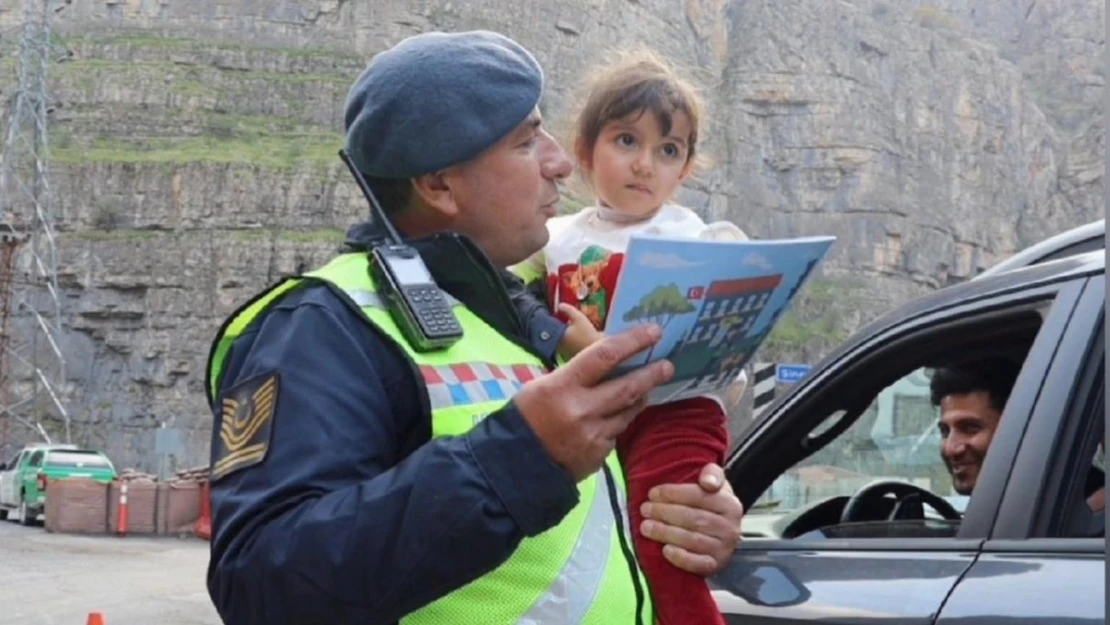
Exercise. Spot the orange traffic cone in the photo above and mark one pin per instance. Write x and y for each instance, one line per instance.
(95, 618)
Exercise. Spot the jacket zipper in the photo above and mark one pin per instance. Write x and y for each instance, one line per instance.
(625, 541)
(490, 274)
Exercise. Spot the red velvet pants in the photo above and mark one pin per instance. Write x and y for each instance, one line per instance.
(671, 444)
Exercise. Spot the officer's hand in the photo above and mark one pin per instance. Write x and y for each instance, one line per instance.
(698, 524)
(576, 415)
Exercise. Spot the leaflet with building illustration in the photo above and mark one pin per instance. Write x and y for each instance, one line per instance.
(716, 300)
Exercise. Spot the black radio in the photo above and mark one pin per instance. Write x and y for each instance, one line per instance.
(414, 300)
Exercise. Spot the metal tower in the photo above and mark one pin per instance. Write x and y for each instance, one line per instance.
(32, 361)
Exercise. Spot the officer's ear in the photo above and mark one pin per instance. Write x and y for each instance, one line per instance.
(434, 191)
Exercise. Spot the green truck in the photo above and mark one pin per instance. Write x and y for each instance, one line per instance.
(25, 479)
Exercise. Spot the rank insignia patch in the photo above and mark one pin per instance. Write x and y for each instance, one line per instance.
(245, 425)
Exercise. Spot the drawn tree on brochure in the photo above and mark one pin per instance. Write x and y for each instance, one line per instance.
(660, 306)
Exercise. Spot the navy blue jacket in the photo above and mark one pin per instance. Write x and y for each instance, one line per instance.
(355, 516)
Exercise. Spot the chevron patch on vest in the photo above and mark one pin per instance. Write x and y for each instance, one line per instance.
(475, 382)
(245, 425)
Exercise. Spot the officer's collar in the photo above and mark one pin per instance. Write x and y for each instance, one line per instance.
(363, 236)
(458, 266)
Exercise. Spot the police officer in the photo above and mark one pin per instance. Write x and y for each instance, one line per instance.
(358, 480)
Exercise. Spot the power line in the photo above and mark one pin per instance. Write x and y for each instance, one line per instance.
(32, 360)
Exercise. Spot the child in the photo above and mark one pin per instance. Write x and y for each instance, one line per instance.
(636, 141)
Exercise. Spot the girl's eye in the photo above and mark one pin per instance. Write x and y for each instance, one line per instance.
(626, 140)
(670, 150)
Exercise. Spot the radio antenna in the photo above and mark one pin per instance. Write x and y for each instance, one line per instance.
(375, 207)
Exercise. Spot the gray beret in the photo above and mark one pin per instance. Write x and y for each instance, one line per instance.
(438, 99)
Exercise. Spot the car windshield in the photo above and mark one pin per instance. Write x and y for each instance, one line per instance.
(77, 460)
(896, 438)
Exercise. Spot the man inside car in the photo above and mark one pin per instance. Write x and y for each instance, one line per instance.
(971, 398)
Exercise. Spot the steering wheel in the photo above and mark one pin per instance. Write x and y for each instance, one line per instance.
(902, 490)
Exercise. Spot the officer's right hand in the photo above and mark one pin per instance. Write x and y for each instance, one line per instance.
(577, 414)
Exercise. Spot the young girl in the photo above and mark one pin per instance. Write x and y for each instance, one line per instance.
(635, 142)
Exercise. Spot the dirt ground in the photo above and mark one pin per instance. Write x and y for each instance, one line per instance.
(57, 579)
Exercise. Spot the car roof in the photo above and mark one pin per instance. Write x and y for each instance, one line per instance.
(1088, 237)
(1083, 264)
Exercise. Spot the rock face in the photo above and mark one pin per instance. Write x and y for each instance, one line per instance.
(195, 156)
(1058, 45)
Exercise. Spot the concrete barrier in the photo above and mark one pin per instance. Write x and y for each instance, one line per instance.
(178, 507)
(141, 497)
(80, 505)
(76, 506)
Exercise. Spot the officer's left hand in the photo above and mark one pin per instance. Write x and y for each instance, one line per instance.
(698, 524)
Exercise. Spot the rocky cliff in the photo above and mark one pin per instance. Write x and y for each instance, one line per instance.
(194, 155)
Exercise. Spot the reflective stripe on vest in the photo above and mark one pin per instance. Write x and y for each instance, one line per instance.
(575, 572)
(466, 382)
(573, 591)
(472, 382)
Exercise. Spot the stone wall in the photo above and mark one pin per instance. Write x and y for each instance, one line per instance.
(195, 155)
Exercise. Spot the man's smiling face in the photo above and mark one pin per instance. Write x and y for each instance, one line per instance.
(967, 425)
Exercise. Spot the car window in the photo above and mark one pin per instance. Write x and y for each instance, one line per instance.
(1088, 245)
(856, 452)
(896, 438)
(77, 460)
(36, 459)
(1081, 500)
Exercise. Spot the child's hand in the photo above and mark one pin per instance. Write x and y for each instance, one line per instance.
(580, 333)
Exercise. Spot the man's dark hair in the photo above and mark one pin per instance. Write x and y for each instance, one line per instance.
(994, 376)
(394, 194)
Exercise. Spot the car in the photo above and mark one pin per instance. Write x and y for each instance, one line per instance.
(1086, 238)
(832, 473)
(9, 475)
(25, 480)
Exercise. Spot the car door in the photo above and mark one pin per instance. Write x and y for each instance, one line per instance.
(1045, 560)
(8, 480)
(28, 484)
(902, 579)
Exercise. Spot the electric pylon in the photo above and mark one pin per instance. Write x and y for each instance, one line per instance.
(32, 358)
